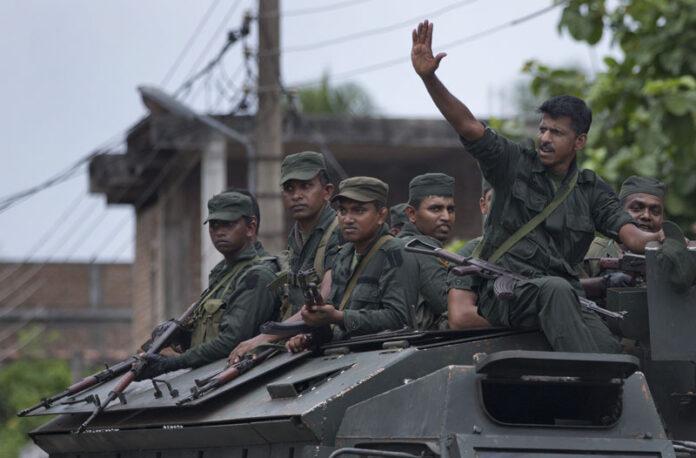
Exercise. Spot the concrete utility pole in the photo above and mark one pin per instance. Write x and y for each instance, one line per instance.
(269, 128)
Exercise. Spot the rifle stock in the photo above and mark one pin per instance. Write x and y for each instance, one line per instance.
(158, 344)
(503, 288)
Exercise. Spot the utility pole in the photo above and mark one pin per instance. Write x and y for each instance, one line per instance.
(269, 128)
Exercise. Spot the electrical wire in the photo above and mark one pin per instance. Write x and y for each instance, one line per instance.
(191, 77)
(402, 60)
(312, 10)
(189, 43)
(370, 32)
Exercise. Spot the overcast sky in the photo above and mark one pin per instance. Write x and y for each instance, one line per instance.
(71, 69)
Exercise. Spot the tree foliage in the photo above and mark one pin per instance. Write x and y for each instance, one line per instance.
(24, 383)
(644, 104)
(344, 99)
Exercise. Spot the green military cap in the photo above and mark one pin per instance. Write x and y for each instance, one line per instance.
(229, 206)
(485, 187)
(363, 189)
(431, 184)
(301, 166)
(397, 215)
(642, 185)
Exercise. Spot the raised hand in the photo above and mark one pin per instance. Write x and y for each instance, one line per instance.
(424, 63)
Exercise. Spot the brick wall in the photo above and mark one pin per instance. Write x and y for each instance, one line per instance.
(63, 310)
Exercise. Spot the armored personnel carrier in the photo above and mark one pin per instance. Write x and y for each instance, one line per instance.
(452, 394)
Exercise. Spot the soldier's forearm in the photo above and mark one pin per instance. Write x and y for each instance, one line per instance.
(455, 112)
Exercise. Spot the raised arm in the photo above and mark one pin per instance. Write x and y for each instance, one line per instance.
(635, 239)
(425, 65)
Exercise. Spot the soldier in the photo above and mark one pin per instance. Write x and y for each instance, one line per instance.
(237, 301)
(314, 240)
(643, 198)
(397, 218)
(369, 289)
(541, 223)
(430, 212)
(462, 311)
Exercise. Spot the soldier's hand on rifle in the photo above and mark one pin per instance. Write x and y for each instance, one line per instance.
(618, 280)
(321, 315)
(424, 63)
(245, 347)
(298, 343)
(156, 365)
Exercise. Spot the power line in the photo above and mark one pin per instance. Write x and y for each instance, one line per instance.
(190, 42)
(371, 32)
(191, 79)
(402, 60)
(313, 10)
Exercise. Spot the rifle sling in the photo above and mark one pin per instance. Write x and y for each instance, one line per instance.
(358, 271)
(561, 195)
(321, 249)
(237, 267)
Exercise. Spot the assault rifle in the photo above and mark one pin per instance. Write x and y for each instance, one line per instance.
(503, 279)
(167, 330)
(629, 271)
(307, 282)
(228, 374)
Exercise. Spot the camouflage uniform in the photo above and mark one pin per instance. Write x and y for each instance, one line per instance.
(549, 253)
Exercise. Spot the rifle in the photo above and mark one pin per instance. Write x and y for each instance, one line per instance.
(88, 382)
(312, 298)
(229, 373)
(503, 279)
(139, 362)
(630, 263)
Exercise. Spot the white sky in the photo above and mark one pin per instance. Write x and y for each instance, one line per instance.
(71, 69)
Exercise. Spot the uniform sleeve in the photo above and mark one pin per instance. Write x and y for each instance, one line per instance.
(463, 282)
(608, 214)
(433, 283)
(332, 248)
(396, 292)
(496, 155)
(250, 305)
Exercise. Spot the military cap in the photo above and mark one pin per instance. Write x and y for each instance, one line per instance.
(229, 206)
(642, 185)
(397, 215)
(431, 184)
(301, 166)
(485, 187)
(363, 189)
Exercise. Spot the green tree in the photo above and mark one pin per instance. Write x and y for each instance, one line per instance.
(644, 104)
(344, 99)
(24, 383)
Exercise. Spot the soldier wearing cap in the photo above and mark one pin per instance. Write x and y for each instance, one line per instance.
(644, 199)
(397, 218)
(314, 239)
(430, 212)
(369, 289)
(237, 300)
(462, 311)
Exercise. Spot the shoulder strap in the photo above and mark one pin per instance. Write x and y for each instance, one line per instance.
(237, 267)
(321, 249)
(560, 196)
(354, 279)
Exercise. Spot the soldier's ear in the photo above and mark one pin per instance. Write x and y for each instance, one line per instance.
(410, 213)
(580, 141)
(383, 213)
(328, 190)
(251, 224)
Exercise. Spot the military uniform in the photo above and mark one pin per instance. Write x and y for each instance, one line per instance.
(302, 255)
(318, 248)
(431, 272)
(463, 282)
(381, 297)
(234, 312)
(371, 288)
(548, 253)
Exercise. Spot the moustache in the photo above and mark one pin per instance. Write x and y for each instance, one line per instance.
(547, 147)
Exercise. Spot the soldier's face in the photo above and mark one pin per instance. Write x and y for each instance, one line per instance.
(558, 143)
(305, 199)
(647, 209)
(230, 237)
(485, 202)
(360, 222)
(434, 217)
